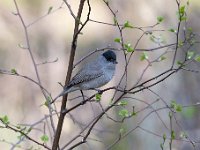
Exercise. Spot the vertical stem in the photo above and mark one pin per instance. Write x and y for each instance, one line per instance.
(69, 72)
(171, 130)
(177, 36)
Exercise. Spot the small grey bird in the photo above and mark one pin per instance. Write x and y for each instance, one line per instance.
(93, 75)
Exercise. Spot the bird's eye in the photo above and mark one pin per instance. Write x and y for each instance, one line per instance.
(111, 59)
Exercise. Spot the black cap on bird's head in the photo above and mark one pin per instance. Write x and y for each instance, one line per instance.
(110, 56)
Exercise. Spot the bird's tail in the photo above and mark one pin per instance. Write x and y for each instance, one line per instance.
(65, 91)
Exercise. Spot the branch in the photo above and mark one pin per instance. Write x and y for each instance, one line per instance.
(70, 68)
(24, 134)
(33, 61)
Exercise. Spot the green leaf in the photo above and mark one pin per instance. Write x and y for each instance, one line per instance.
(20, 136)
(127, 25)
(170, 114)
(117, 40)
(18, 127)
(152, 38)
(50, 9)
(115, 20)
(189, 112)
(172, 30)
(180, 44)
(178, 108)
(164, 137)
(158, 39)
(180, 63)
(29, 129)
(173, 104)
(122, 130)
(5, 120)
(21, 46)
(182, 10)
(160, 19)
(133, 113)
(128, 47)
(124, 113)
(197, 58)
(162, 58)
(183, 18)
(122, 103)
(144, 56)
(173, 135)
(190, 54)
(192, 41)
(190, 29)
(47, 102)
(98, 97)
(13, 71)
(181, 13)
(183, 135)
(44, 138)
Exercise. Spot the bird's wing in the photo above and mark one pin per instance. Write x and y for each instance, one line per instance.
(80, 78)
(85, 75)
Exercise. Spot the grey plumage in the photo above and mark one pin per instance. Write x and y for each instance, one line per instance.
(94, 74)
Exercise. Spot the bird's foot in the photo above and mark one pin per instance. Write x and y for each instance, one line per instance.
(98, 90)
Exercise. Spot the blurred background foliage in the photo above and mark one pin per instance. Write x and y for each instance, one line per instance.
(51, 37)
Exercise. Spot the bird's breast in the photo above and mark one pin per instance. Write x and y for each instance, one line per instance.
(109, 72)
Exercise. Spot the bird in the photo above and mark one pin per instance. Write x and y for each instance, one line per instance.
(93, 75)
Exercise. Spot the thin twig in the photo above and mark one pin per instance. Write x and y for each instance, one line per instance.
(70, 68)
(24, 134)
(33, 61)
